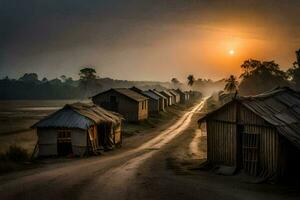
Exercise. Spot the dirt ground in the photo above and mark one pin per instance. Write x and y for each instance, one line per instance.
(157, 165)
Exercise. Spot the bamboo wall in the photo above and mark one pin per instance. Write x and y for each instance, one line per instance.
(221, 136)
(221, 143)
(238, 137)
(260, 152)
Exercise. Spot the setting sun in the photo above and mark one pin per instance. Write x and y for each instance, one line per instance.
(231, 52)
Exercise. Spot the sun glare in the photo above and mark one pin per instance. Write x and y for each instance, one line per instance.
(231, 52)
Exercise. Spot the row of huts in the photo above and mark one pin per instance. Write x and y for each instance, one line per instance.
(83, 128)
(258, 134)
(135, 104)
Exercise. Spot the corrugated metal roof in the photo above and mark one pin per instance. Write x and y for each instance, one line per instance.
(180, 92)
(165, 92)
(152, 95)
(158, 94)
(131, 94)
(279, 107)
(127, 92)
(138, 90)
(173, 92)
(78, 115)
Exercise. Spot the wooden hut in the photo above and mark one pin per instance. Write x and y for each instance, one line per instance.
(131, 105)
(153, 100)
(183, 96)
(168, 96)
(78, 129)
(176, 95)
(188, 97)
(259, 134)
(163, 101)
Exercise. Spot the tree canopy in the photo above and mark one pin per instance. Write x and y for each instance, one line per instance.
(259, 76)
(89, 82)
(293, 73)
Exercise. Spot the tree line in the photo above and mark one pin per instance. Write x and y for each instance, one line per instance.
(29, 86)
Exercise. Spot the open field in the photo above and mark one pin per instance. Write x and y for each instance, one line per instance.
(19, 115)
(16, 117)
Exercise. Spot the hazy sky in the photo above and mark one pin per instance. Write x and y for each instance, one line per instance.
(145, 39)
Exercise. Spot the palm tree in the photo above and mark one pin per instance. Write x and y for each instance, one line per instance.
(191, 80)
(231, 84)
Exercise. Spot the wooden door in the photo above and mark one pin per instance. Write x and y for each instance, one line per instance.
(251, 153)
(64, 143)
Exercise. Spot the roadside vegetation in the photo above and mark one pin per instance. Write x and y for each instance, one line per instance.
(15, 158)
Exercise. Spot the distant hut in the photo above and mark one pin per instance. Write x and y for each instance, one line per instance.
(131, 105)
(158, 105)
(163, 101)
(168, 96)
(259, 134)
(176, 95)
(78, 129)
(153, 100)
(183, 96)
(187, 95)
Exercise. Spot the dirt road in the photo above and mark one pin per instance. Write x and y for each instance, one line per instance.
(156, 169)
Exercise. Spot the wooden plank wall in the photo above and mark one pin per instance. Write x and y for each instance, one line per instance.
(268, 141)
(221, 136)
(267, 154)
(221, 143)
(260, 141)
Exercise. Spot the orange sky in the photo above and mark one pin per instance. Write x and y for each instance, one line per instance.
(147, 40)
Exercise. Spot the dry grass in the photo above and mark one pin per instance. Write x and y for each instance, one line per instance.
(25, 139)
(15, 158)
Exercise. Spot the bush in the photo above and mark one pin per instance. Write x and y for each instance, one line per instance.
(17, 154)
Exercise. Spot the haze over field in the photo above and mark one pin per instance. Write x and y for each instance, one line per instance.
(145, 40)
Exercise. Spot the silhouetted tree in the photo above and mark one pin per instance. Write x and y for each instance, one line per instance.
(260, 76)
(89, 80)
(87, 73)
(191, 80)
(29, 77)
(55, 81)
(231, 84)
(44, 80)
(63, 78)
(294, 72)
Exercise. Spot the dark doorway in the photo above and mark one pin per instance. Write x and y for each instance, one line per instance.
(101, 134)
(104, 136)
(64, 143)
(114, 104)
